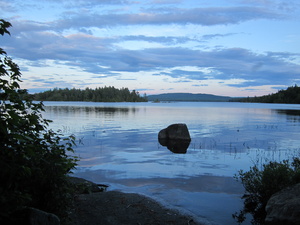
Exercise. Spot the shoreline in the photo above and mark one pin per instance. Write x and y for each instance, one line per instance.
(116, 208)
(95, 205)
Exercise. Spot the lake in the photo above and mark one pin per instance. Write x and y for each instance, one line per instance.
(118, 146)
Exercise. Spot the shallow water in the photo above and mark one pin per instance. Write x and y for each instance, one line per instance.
(118, 146)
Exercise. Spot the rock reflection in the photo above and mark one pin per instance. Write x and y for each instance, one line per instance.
(175, 146)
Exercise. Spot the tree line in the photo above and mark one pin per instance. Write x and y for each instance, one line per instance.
(100, 94)
(290, 96)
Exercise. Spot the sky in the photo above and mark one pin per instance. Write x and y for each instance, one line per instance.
(234, 48)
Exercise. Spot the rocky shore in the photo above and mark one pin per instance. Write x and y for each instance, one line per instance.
(96, 206)
(117, 208)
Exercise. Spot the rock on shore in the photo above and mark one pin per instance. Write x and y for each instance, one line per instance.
(284, 207)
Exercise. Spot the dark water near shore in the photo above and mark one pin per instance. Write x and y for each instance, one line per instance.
(118, 146)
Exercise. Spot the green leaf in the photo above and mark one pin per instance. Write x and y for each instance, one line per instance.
(3, 27)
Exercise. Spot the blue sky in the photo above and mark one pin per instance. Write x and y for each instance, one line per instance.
(222, 47)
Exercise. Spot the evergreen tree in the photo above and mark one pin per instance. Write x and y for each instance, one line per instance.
(289, 96)
(104, 94)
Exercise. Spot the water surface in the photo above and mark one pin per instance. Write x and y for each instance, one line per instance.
(118, 146)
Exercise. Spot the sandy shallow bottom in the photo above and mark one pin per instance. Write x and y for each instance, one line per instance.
(118, 208)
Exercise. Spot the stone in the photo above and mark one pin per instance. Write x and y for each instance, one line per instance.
(177, 131)
(84, 186)
(175, 137)
(38, 217)
(33, 216)
(284, 207)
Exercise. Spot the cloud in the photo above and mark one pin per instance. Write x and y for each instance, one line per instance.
(165, 1)
(199, 16)
(172, 40)
(167, 40)
(99, 56)
(52, 81)
(282, 5)
(236, 64)
(191, 75)
(213, 36)
(115, 38)
(7, 6)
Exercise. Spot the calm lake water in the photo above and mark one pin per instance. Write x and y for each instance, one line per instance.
(118, 146)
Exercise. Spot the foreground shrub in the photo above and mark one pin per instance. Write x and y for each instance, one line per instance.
(34, 163)
(260, 185)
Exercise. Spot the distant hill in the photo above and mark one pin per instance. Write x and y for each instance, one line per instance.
(188, 97)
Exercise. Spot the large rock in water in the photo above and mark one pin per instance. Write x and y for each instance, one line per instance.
(178, 131)
(176, 137)
(284, 207)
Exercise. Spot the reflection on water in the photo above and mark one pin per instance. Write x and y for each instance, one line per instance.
(118, 146)
(175, 146)
(291, 114)
(88, 110)
(288, 112)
